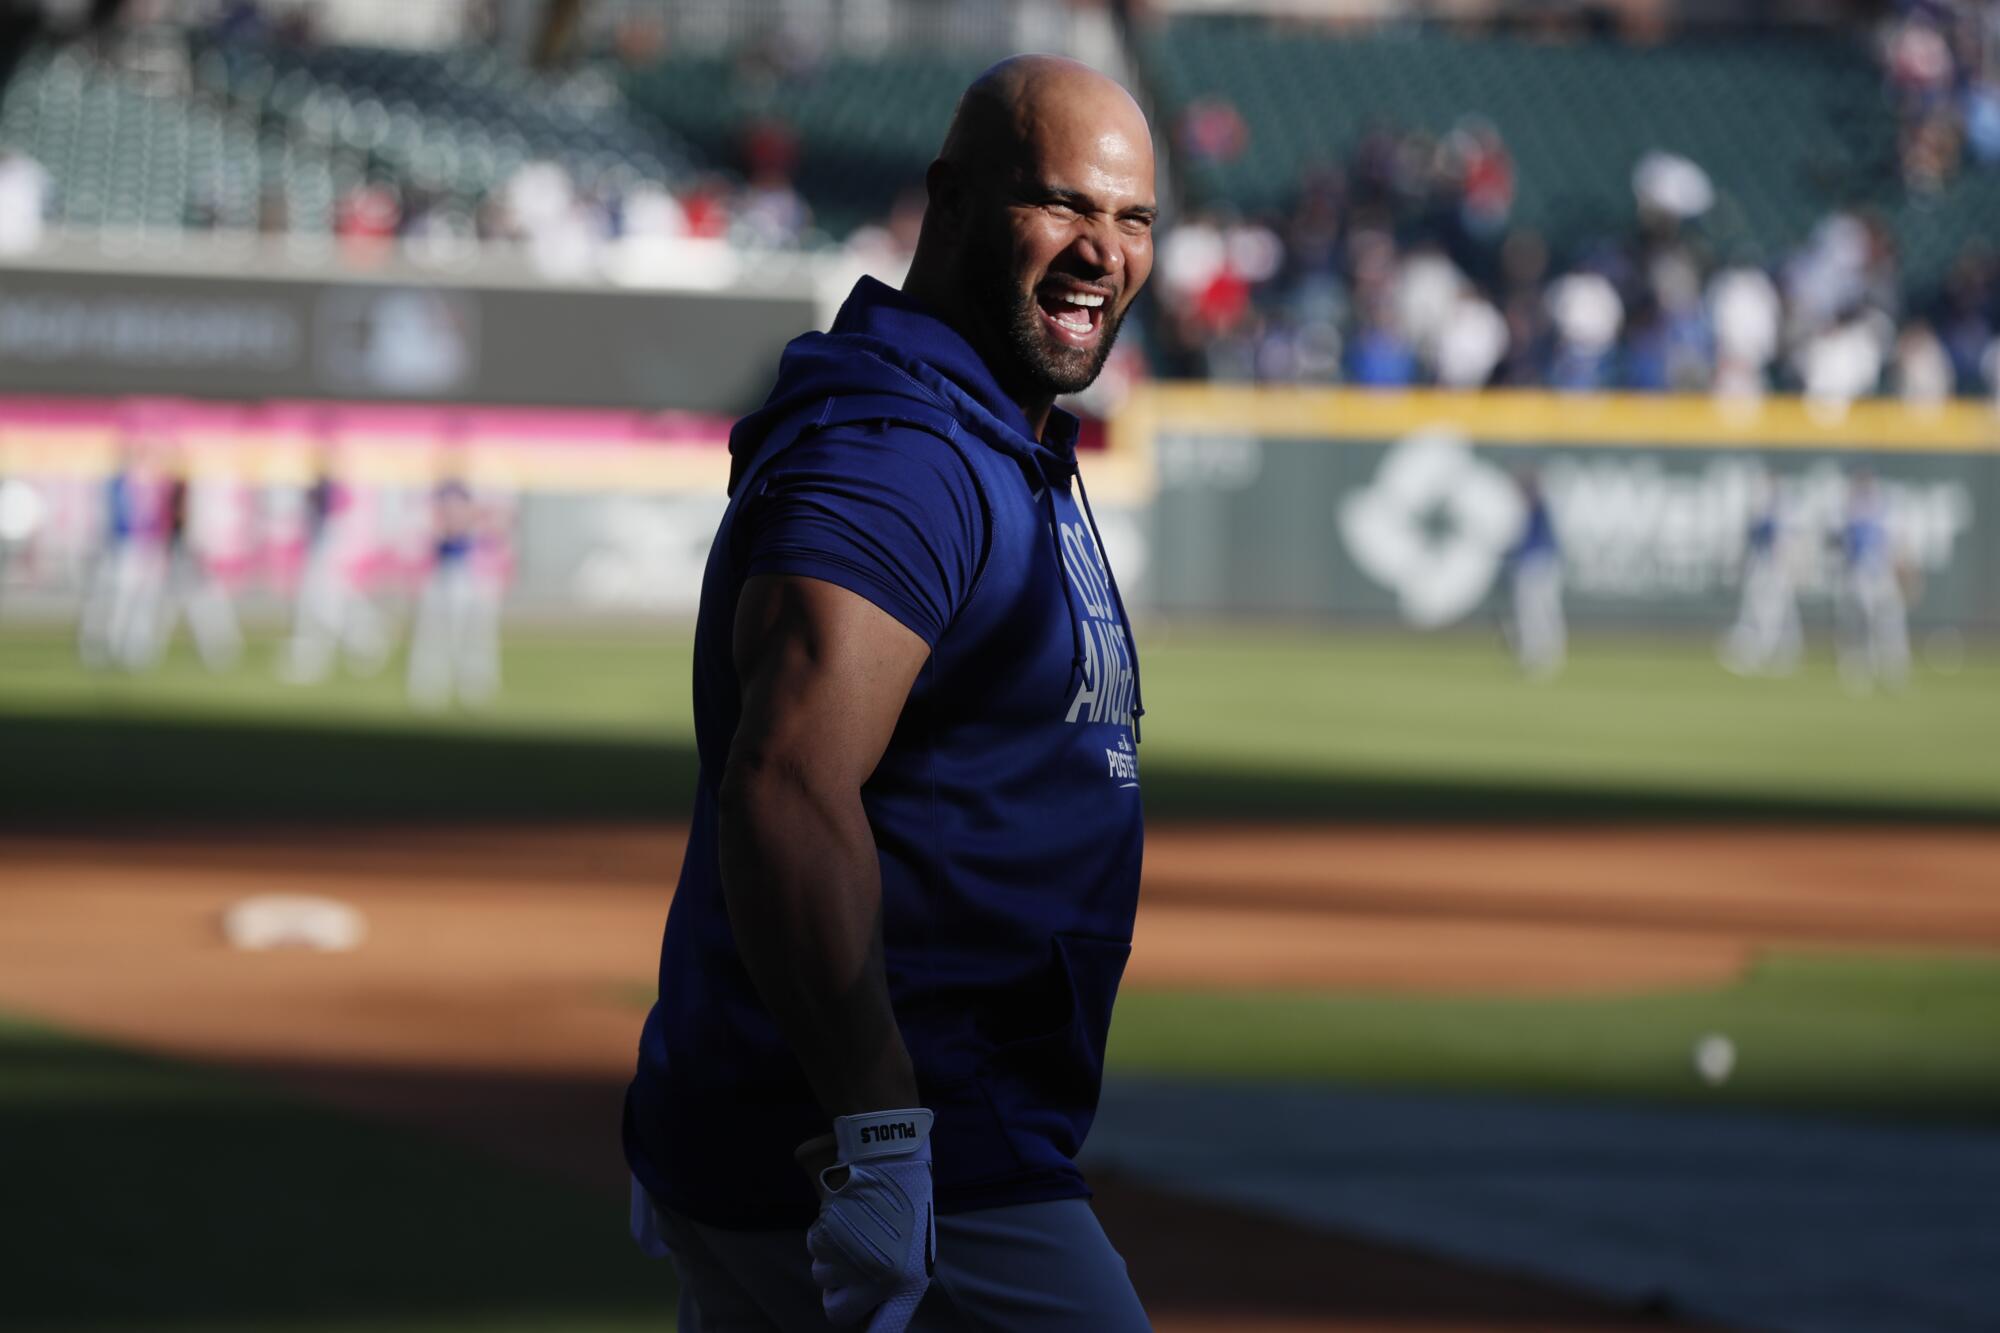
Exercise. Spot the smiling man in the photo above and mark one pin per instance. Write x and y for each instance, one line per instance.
(908, 895)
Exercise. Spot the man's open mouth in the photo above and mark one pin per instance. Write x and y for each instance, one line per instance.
(1074, 315)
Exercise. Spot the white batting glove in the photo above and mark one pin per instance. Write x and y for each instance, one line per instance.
(874, 1245)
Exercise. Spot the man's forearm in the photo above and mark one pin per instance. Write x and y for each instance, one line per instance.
(804, 890)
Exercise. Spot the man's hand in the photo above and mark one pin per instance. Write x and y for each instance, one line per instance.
(875, 1243)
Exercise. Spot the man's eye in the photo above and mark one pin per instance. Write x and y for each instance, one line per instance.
(1137, 225)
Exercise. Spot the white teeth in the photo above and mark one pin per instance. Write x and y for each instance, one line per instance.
(1080, 298)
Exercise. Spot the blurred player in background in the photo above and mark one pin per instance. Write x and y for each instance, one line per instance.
(187, 586)
(1871, 614)
(455, 644)
(1540, 635)
(332, 616)
(22, 510)
(1766, 639)
(118, 608)
(888, 970)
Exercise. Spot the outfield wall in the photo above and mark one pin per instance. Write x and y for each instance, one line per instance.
(1346, 508)
(1358, 507)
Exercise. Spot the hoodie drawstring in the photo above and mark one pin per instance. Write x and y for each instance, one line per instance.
(1131, 639)
(1069, 594)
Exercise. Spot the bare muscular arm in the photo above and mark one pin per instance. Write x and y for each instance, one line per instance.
(824, 674)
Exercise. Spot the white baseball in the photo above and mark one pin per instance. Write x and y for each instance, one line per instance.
(1714, 1059)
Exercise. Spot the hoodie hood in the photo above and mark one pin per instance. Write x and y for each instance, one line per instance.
(883, 342)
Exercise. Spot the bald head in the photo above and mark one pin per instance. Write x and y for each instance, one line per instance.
(1038, 232)
(1018, 105)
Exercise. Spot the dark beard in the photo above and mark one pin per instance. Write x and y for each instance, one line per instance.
(1034, 359)
(1046, 363)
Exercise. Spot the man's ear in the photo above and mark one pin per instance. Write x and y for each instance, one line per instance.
(944, 189)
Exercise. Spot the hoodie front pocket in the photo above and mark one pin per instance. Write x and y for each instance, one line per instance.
(1044, 1087)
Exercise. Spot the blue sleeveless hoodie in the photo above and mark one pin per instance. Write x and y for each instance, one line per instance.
(1006, 809)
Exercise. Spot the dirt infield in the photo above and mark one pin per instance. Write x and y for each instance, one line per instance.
(493, 998)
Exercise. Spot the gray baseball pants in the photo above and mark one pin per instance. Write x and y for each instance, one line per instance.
(1040, 1266)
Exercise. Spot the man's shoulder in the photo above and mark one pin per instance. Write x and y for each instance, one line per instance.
(873, 436)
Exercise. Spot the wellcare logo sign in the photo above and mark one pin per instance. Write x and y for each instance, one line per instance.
(1434, 524)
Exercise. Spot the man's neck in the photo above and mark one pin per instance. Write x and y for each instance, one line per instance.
(1036, 409)
(942, 301)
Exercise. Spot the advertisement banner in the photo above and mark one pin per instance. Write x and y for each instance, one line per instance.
(118, 333)
(1410, 516)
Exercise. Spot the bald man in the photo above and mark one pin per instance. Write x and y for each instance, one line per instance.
(909, 887)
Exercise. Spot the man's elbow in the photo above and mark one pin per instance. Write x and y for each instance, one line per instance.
(761, 788)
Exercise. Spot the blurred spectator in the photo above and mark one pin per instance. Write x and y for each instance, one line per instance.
(1253, 252)
(1472, 342)
(1930, 151)
(1647, 362)
(1486, 177)
(1667, 185)
(1942, 63)
(561, 228)
(1919, 61)
(650, 211)
(1687, 341)
(1379, 172)
(434, 229)
(1380, 357)
(1212, 130)
(368, 216)
(1747, 317)
(706, 204)
(1923, 375)
(1829, 274)
(1201, 271)
(770, 149)
(1190, 255)
(1971, 292)
(1587, 313)
(1841, 363)
(1982, 119)
(1425, 291)
(771, 214)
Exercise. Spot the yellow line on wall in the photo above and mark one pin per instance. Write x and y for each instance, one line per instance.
(1512, 416)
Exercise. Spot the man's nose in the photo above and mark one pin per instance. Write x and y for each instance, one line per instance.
(1096, 244)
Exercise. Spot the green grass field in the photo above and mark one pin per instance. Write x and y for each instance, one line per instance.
(1905, 1037)
(1238, 725)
